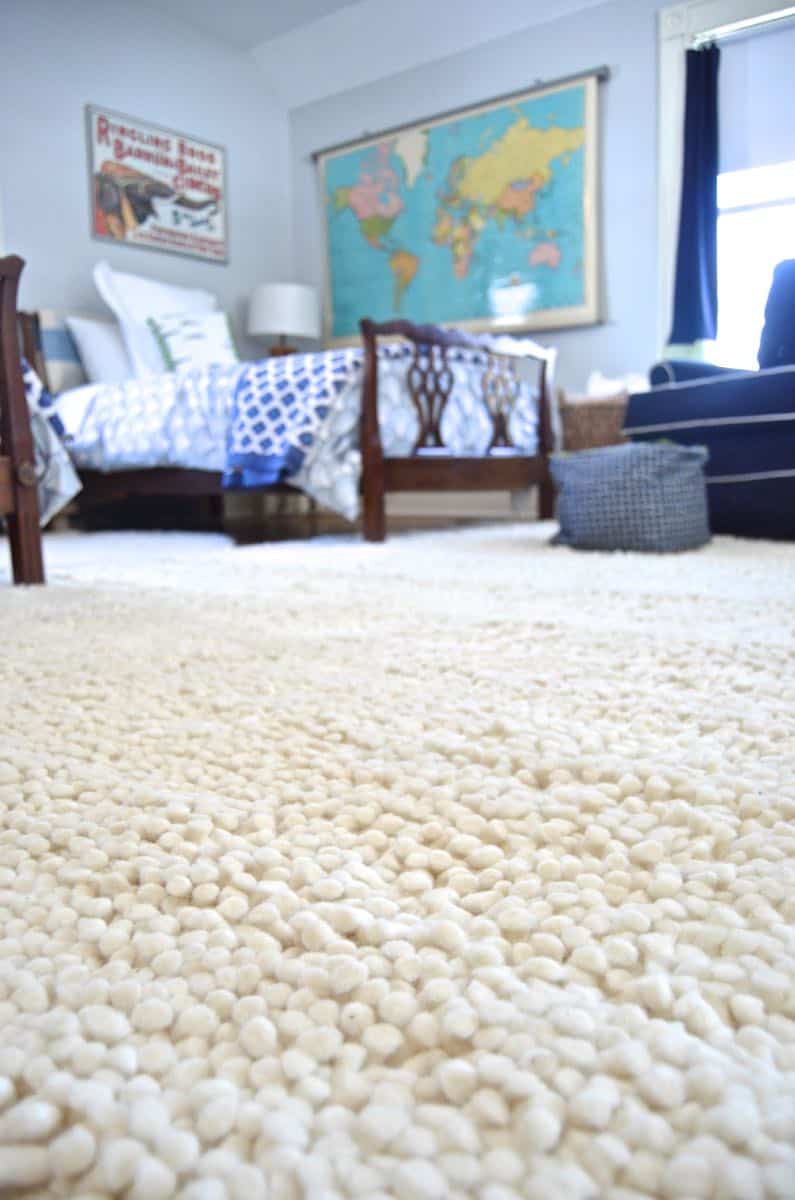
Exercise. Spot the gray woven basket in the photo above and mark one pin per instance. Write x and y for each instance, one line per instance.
(591, 421)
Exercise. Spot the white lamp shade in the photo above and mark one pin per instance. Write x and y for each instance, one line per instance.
(284, 309)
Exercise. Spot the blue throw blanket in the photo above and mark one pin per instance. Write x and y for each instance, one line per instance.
(278, 406)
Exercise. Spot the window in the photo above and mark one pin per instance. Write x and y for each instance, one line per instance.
(756, 79)
(756, 230)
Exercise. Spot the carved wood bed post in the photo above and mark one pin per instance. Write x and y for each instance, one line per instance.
(30, 330)
(373, 504)
(546, 489)
(18, 500)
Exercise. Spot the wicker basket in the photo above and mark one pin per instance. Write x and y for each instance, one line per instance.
(588, 422)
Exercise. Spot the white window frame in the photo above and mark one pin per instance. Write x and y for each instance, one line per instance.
(679, 28)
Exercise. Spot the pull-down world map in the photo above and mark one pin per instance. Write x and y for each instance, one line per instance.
(483, 219)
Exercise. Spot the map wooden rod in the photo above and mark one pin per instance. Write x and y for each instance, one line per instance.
(602, 75)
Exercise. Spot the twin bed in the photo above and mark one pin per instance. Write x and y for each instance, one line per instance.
(414, 408)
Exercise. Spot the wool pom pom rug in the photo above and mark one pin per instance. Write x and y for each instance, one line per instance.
(458, 867)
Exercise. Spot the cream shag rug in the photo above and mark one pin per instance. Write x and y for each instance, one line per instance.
(458, 867)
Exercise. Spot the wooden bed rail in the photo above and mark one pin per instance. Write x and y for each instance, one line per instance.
(430, 382)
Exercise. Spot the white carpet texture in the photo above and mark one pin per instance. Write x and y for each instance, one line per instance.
(458, 867)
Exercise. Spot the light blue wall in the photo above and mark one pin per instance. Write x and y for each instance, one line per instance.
(620, 34)
(59, 55)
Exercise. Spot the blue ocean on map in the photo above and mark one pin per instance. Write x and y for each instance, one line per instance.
(409, 234)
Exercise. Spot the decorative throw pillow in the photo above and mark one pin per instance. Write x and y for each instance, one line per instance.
(61, 362)
(188, 340)
(649, 496)
(101, 349)
(134, 298)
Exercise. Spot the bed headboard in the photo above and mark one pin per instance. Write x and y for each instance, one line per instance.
(29, 327)
(18, 493)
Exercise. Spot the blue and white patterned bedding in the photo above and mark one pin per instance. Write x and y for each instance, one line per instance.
(292, 419)
(173, 420)
(56, 479)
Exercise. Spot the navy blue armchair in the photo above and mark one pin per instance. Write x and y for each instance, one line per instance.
(746, 419)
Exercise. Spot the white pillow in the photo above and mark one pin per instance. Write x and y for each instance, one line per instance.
(101, 349)
(188, 340)
(134, 299)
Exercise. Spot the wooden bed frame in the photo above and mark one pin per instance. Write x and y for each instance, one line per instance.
(430, 382)
(101, 488)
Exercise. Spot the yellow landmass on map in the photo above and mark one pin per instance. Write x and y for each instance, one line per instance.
(459, 235)
(404, 267)
(523, 152)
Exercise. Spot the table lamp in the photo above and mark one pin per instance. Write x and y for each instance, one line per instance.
(284, 310)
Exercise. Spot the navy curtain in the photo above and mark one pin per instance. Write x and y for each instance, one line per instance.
(696, 285)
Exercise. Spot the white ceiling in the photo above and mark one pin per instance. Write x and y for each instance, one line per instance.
(310, 49)
(247, 23)
(372, 40)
